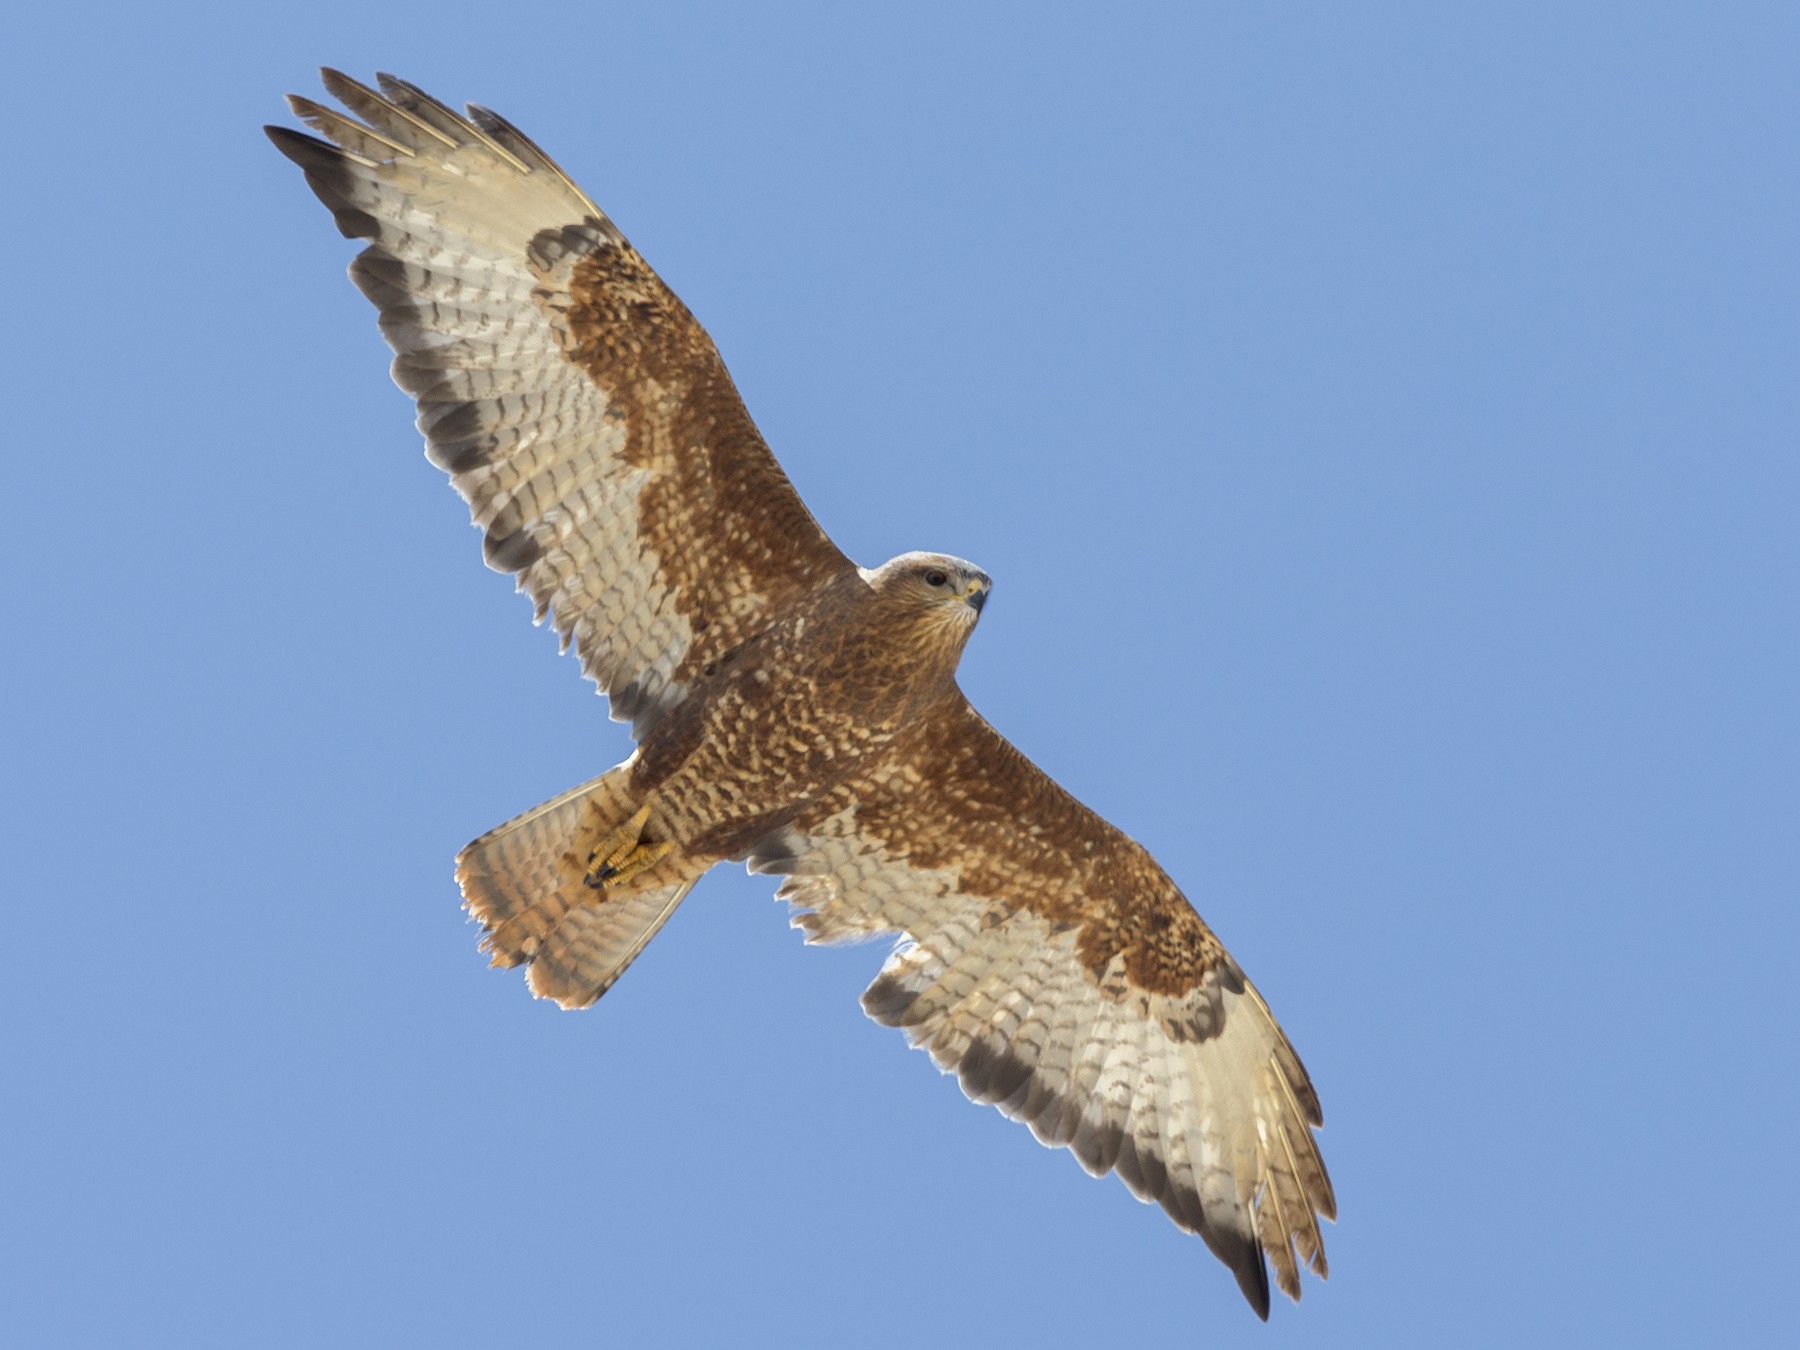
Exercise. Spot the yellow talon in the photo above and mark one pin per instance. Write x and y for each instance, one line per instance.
(643, 857)
(621, 855)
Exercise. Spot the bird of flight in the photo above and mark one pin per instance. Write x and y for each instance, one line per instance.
(792, 710)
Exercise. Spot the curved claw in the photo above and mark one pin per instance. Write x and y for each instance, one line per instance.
(622, 854)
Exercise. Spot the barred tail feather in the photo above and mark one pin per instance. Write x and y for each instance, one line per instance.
(523, 882)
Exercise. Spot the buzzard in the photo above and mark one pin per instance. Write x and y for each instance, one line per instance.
(791, 709)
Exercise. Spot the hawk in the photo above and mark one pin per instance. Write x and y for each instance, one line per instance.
(791, 710)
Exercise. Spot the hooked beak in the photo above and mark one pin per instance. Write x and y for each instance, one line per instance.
(978, 594)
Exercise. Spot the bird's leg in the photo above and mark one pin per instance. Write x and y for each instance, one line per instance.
(622, 854)
(611, 852)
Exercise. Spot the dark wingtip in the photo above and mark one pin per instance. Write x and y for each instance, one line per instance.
(1252, 1273)
(304, 150)
(511, 552)
(1243, 1254)
(887, 1001)
(315, 156)
(1253, 1278)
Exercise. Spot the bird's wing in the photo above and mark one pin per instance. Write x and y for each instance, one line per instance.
(577, 405)
(1054, 967)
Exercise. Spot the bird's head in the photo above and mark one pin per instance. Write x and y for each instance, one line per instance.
(942, 593)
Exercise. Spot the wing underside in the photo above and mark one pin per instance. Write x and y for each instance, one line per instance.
(1051, 966)
(577, 406)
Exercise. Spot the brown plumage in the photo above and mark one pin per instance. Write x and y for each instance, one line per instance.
(792, 710)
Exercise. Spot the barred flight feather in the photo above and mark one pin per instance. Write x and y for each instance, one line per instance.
(483, 260)
(1201, 1107)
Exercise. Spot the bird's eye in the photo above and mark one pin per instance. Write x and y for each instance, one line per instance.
(935, 578)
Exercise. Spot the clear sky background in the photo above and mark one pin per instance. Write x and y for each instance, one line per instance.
(1380, 421)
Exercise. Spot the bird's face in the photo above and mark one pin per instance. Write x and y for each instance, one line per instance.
(941, 589)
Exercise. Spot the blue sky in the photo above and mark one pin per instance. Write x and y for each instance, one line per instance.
(1380, 422)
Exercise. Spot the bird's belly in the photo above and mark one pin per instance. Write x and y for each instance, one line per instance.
(743, 761)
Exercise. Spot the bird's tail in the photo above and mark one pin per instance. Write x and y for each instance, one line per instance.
(528, 884)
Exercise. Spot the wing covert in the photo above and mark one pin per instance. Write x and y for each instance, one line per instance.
(578, 407)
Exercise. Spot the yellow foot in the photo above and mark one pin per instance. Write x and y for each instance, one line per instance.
(623, 854)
